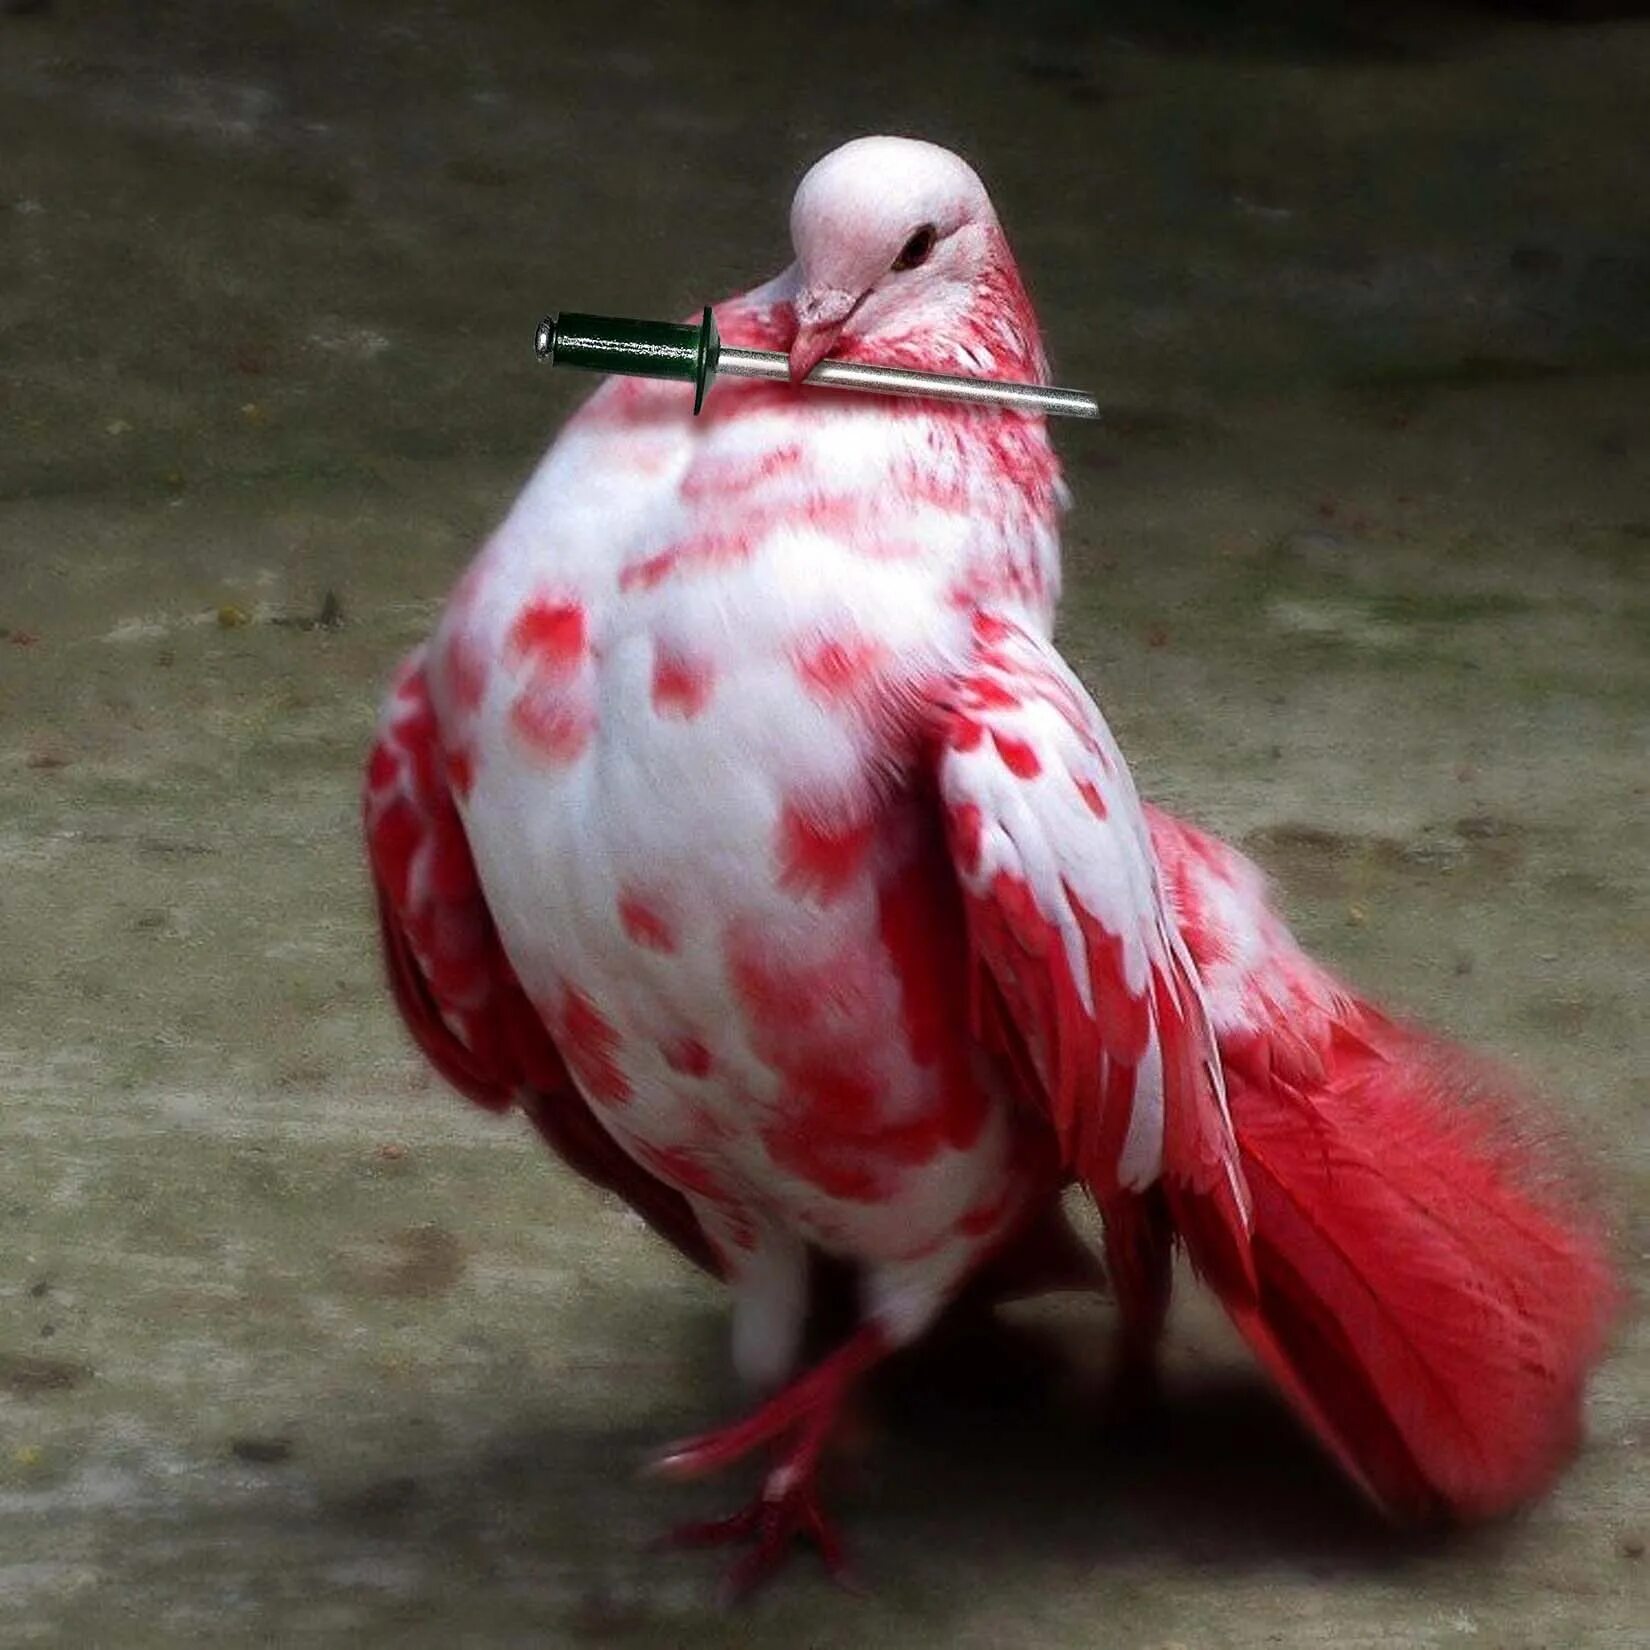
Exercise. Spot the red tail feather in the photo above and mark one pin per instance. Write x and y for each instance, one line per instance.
(1430, 1297)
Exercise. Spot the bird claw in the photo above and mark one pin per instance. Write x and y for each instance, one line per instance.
(714, 1532)
(772, 1522)
(797, 1420)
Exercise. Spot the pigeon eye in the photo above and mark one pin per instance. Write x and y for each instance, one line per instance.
(916, 250)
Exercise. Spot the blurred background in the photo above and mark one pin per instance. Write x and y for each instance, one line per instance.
(297, 1348)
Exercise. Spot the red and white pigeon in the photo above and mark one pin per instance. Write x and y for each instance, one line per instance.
(742, 825)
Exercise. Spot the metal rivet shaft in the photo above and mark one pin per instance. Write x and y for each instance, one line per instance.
(669, 349)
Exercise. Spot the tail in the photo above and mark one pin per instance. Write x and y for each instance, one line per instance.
(1431, 1295)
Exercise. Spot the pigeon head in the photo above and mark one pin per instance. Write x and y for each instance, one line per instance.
(890, 234)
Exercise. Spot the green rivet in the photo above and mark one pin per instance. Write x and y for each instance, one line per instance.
(637, 349)
(710, 349)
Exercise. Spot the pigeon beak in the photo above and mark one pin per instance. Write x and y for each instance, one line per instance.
(811, 345)
(821, 314)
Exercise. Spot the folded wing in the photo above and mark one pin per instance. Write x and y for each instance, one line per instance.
(1080, 975)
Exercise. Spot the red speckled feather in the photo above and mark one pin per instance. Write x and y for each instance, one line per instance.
(1069, 924)
(455, 988)
(1432, 1295)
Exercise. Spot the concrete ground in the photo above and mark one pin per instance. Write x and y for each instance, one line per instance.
(297, 1348)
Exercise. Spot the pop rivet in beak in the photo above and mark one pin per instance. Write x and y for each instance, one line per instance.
(694, 355)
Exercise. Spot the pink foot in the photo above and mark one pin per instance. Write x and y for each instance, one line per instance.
(772, 1523)
(788, 1510)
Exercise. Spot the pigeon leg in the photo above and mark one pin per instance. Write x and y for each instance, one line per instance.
(1140, 1264)
(798, 1420)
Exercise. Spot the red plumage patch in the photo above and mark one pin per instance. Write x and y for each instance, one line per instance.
(1123, 1015)
(682, 1167)
(840, 667)
(452, 871)
(590, 1044)
(644, 923)
(703, 552)
(550, 635)
(988, 693)
(924, 933)
(394, 838)
(466, 670)
(383, 768)
(682, 683)
(776, 998)
(651, 571)
(985, 1218)
(688, 1056)
(727, 478)
(967, 824)
(831, 1131)
(850, 1170)
(1090, 793)
(819, 858)
(461, 772)
(551, 725)
(1018, 756)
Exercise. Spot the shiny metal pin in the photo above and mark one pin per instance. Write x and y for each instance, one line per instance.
(694, 355)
